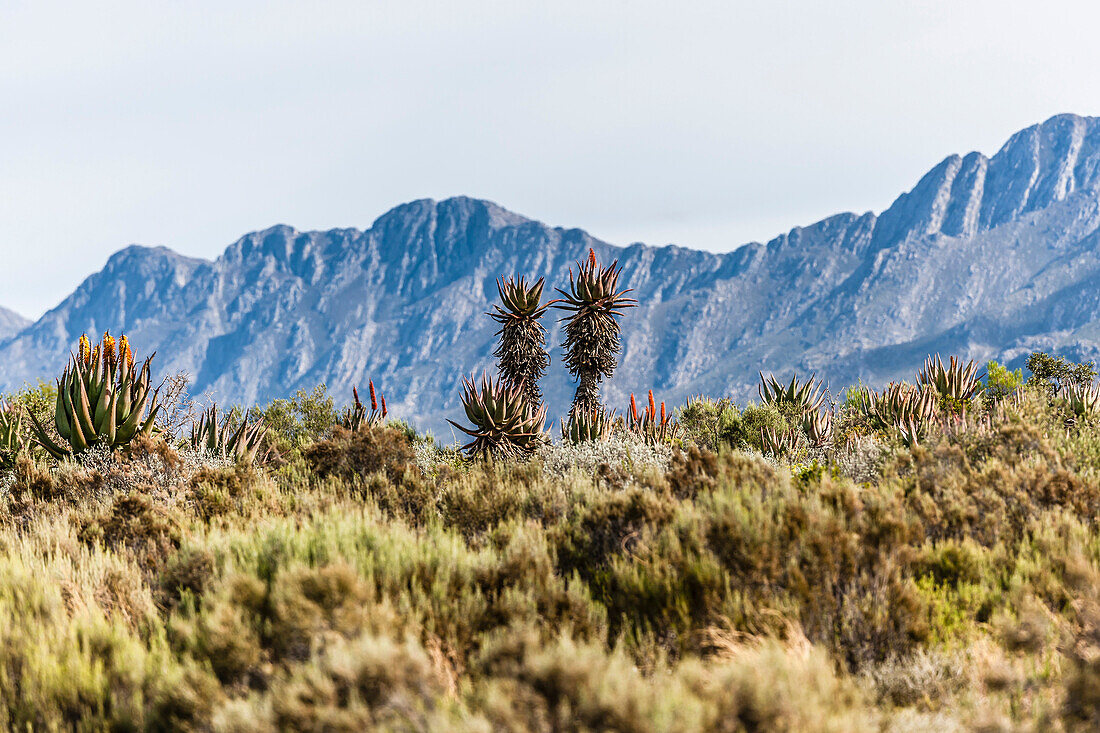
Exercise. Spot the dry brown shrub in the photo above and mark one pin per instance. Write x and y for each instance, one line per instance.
(609, 523)
(692, 471)
(234, 490)
(34, 481)
(186, 571)
(348, 455)
(134, 523)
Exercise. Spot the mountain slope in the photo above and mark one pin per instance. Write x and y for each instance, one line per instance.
(11, 323)
(985, 257)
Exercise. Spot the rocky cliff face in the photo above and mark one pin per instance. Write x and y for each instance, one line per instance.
(985, 257)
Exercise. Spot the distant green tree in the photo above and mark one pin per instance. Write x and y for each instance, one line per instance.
(744, 430)
(303, 419)
(1000, 382)
(1056, 372)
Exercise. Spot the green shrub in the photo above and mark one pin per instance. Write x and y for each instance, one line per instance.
(303, 419)
(1000, 382)
(743, 432)
(1056, 372)
(704, 421)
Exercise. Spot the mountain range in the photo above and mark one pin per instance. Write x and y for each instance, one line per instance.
(986, 257)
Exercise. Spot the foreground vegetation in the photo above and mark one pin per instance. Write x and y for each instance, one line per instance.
(367, 579)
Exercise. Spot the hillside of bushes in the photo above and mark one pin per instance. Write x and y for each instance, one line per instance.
(354, 579)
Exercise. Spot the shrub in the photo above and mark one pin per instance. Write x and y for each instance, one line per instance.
(609, 585)
(1057, 372)
(348, 455)
(704, 421)
(294, 423)
(747, 430)
(1000, 382)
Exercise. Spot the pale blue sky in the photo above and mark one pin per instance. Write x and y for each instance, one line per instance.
(705, 124)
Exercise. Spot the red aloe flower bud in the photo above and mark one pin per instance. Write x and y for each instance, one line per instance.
(592, 258)
(662, 413)
(652, 406)
(384, 410)
(633, 409)
(355, 394)
(373, 399)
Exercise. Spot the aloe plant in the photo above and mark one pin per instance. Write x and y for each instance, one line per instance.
(818, 427)
(898, 404)
(356, 417)
(652, 426)
(592, 333)
(778, 443)
(504, 423)
(957, 385)
(581, 426)
(13, 440)
(102, 399)
(796, 398)
(1082, 399)
(521, 354)
(911, 431)
(241, 445)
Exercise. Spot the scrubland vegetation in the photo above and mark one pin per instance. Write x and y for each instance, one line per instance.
(923, 557)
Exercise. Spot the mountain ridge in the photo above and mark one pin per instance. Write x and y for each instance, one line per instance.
(11, 323)
(987, 257)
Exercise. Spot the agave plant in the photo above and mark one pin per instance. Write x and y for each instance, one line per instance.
(585, 426)
(12, 439)
(911, 431)
(521, 354)
(778, 444)
(818, 427)
(504, 423)
(898, 404)
(652, 426)
(356, 417)
(797, 398)
(592, 335)
(1082, 399)
(956, 384)
(241, 445)
(102, 399)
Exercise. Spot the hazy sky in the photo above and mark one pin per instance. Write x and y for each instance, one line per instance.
(704, 124)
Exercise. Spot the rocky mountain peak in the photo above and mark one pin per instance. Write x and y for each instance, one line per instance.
(966, 195)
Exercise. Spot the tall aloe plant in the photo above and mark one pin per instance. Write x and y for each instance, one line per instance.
(592, 333)
(797, 397)
(521, 354)
(650, 425)
(356, 417)
(102, 399)
(956, 384)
